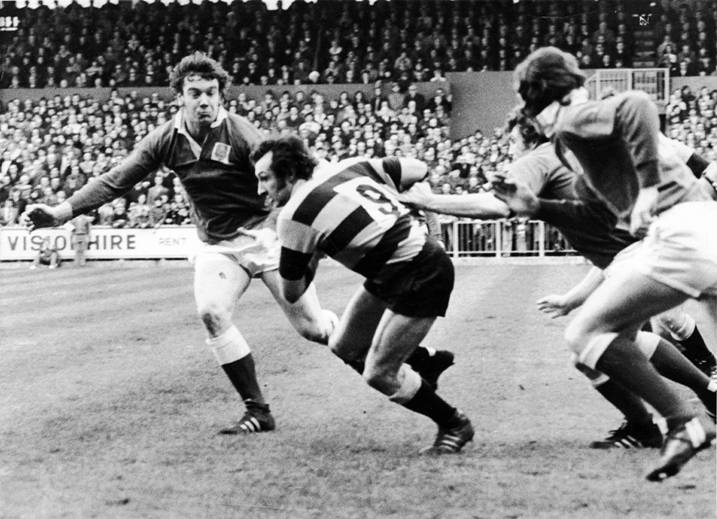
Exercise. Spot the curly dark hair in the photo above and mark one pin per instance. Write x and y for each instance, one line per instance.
(528, 131)
(201, 65)
(546, 75)
(290, 157)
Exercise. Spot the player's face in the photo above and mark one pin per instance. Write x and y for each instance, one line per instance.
(516, 144)
(200, 100)
(275, 188)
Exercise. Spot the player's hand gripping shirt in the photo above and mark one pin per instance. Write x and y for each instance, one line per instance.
(351, 214)
(217, 174)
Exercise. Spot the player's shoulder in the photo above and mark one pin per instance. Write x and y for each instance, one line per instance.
(240, 121)
(161, 134)
(539, 160)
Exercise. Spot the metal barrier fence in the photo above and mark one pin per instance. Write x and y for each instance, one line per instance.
(654, 81)
(503, 238)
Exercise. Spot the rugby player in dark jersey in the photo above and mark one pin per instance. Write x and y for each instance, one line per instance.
(349, 211)
(654, 194)
(208, 149)
(590, 227)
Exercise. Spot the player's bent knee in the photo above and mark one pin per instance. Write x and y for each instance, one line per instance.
(586, 343)
(576, 336)
(216, 319)
(379, 378)
(677, 322)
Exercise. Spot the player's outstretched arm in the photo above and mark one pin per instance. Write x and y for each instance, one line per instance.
(557, 305)
(37, 216)
(477, 205)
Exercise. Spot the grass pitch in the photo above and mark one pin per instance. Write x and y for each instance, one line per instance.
(110, 403)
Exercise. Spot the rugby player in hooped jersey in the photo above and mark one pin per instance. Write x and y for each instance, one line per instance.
(349, 211)
(616, 143)
(208, 148)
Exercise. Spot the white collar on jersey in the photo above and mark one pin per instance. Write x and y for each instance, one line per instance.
(194, 145)
(547, 118)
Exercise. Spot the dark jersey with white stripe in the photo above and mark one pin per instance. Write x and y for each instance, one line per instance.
(351, 214)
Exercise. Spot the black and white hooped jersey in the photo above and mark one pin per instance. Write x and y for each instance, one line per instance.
(352, 215)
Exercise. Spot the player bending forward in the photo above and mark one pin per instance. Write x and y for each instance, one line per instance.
(348, 212)
(569, 204)
(616, 143)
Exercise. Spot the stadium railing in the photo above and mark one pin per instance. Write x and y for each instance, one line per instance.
(503, 238)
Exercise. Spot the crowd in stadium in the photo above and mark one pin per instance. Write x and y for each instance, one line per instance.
(342, 42)
(53, 146)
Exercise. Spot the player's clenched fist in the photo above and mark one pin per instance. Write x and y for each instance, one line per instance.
(37, 216)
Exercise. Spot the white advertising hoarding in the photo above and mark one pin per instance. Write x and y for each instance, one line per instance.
(170, 242)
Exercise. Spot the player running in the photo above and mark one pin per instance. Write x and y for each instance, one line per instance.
(208, 148)
(349, 212)
(616, 143)
(569, 204)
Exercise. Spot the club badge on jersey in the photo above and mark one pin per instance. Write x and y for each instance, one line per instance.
(220, 152)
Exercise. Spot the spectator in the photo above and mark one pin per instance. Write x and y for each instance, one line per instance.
(47, 255)
(81, 229)
(416, 97)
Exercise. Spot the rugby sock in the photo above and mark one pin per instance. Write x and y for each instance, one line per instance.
(242, 374)
(419, 360)
(428, 403)
(671, 364)
(357, 365)
(627, 402)
(695, 349)
(624, 362)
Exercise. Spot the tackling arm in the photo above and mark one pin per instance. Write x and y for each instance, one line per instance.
(477, 205)
(116, 182)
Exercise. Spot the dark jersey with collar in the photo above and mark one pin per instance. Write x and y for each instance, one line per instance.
(571, 205)
(618, 145)
(216, 174)
(567, 203)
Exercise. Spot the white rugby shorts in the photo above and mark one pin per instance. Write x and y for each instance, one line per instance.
(255, 255)
(680, 250)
